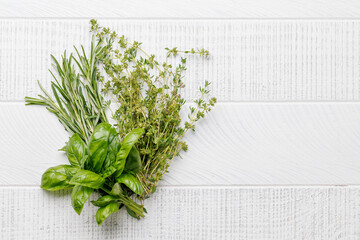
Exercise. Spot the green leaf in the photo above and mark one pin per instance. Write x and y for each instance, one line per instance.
(63, 149)
(133, 161)
(56, 178)
(116, 189)
(128, 142)
(105, 212)
(103, 201)
(113, 148)
(131, 182)
(76, 151)
(131, 213)
(79, 196)
(87, 178)
(98, 147)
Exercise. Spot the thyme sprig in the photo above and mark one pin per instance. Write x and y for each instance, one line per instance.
(148, 94)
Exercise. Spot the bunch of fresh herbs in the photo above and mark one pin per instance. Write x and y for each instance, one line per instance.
(131, 156)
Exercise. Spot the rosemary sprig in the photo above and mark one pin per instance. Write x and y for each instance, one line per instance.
(76, 99)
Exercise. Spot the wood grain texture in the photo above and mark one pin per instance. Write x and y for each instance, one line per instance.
(251, 60)
(183, 9)
(238, 143)
(191, 213)
(310, 53)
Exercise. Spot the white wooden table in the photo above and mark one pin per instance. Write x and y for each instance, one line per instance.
(278, 158)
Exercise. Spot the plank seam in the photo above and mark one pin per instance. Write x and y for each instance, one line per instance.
(237, 186)
(340, 19)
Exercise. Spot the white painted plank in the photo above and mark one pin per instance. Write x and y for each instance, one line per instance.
(251, 60)
(182, 9)
(239, 143)
(191, 213)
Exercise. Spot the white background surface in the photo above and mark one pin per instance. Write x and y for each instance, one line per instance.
(278, 158)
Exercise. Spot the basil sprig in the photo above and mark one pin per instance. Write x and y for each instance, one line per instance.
(105, 165)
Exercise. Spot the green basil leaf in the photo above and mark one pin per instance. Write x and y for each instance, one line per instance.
(116, 190)
(113, 148)
(111, 169)
(87, 178)
(76, 151)
(128, 142)
(133, 161)
(131, 182)
(104, 212)
(56, 178)
(131, 213)
(98, 147)
(103, 201)
(63, 148)
(79, 196)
